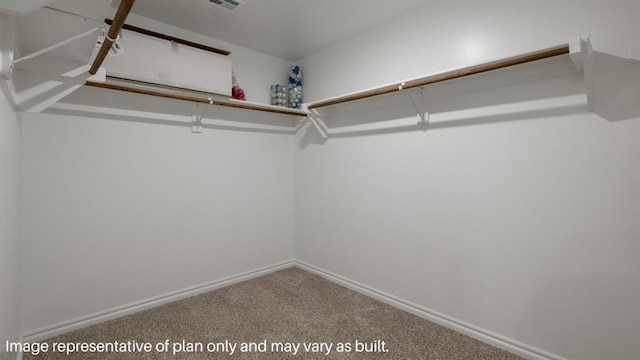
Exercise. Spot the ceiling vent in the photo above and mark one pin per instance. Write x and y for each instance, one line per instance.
(226, 4)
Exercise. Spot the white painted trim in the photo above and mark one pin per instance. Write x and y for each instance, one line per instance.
(92, 319)
(502, 342)
(486, 336)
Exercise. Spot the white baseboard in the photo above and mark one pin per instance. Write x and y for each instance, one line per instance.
(92, 319)
(502, 342)
(486, 336)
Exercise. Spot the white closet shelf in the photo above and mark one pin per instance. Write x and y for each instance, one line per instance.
(196, 99)
(577, 48)
(578, 58)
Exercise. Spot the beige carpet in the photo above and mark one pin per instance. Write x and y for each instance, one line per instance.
(291, 306)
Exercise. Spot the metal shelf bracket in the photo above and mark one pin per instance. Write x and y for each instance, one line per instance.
(422, 112)
(318, 123)
(581, 53)
(196, 119)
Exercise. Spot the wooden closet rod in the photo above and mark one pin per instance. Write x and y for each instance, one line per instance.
(472, 70)
(239, 105)
(114, 30)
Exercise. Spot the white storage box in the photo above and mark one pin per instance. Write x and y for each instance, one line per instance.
(164, 62)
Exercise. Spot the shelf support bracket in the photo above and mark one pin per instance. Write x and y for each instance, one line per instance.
(422, 112)
(581, 53)
(196, 119)
(314, 118)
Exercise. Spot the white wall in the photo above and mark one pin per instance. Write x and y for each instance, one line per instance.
(9, 244)
(457, 33)
(523, 223)
(120, 209)
(526, 228)
(117, 212)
